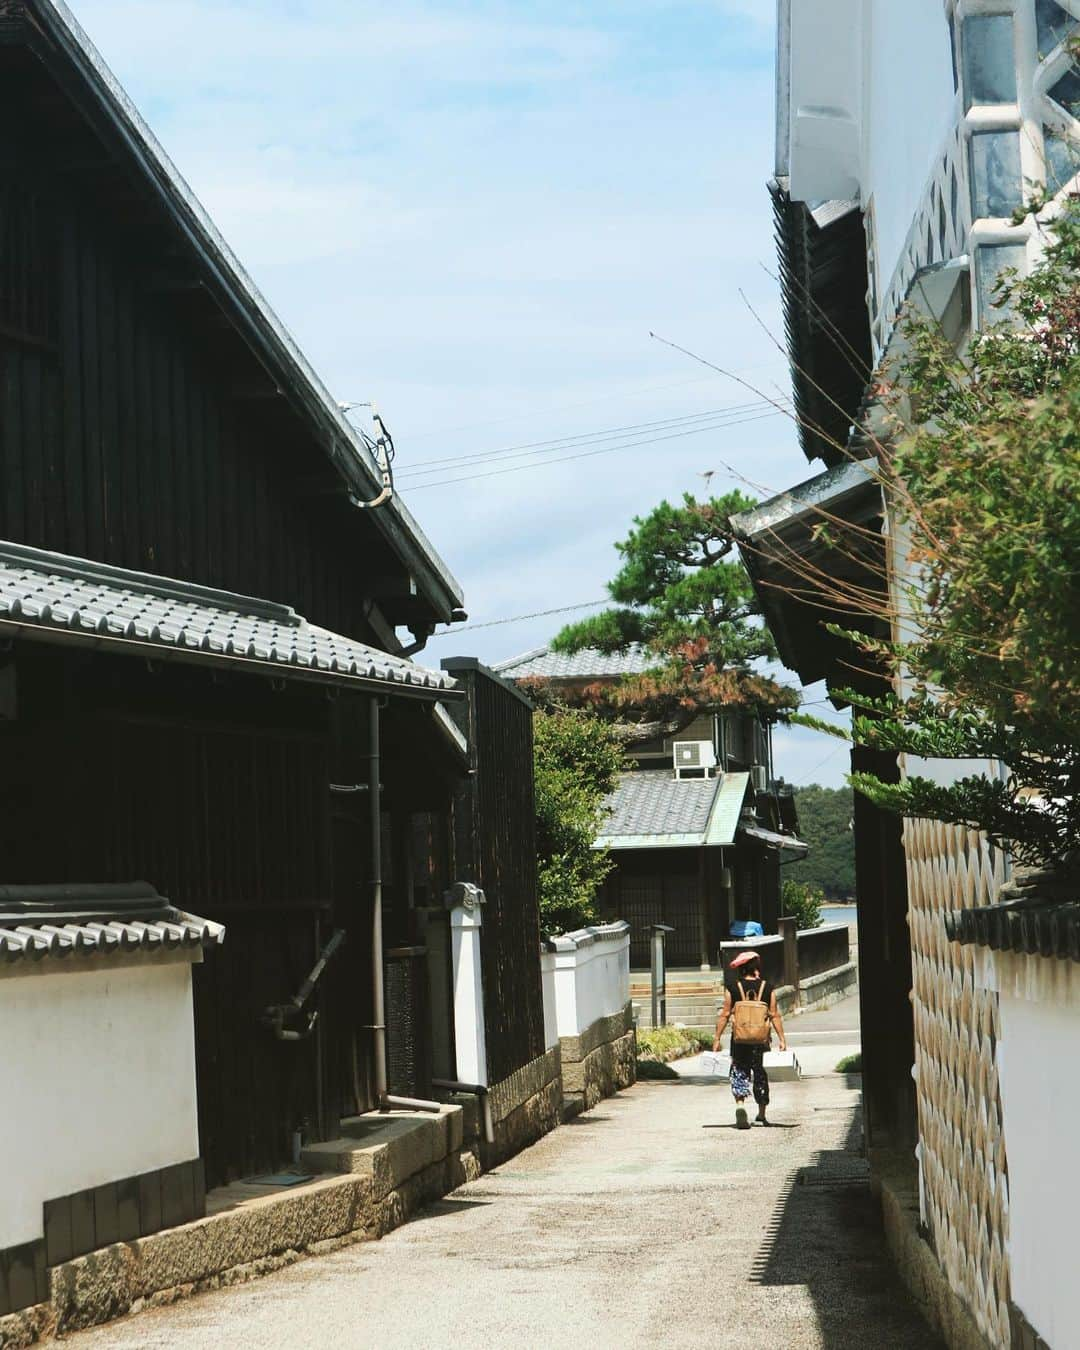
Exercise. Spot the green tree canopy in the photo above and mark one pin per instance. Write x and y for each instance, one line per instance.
(683, 594)
(577, 759)
(825, 824)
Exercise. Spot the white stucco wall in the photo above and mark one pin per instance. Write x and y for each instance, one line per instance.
(585, 978)
(909, 107)
(99, 1081)
(1040, 1102)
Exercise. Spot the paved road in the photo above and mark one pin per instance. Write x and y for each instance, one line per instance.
(650, 1221)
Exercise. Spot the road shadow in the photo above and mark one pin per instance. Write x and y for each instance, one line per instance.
(826, 1235)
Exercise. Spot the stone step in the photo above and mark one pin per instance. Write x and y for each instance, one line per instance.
(389, 1147)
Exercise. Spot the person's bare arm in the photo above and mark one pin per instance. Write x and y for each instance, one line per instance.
(722, 1019)
(777, 1021)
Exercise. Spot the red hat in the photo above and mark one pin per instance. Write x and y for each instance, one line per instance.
(744, 959)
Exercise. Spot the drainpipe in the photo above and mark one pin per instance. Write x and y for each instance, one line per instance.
(477, 1090)
(383, 1100)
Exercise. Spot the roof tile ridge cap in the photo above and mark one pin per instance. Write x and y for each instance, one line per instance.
(513, 661)
(126, 579)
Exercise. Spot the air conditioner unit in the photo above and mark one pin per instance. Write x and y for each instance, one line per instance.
(695, 757)
(759, 777)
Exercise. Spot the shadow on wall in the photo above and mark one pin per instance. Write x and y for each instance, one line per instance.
(826, 1236)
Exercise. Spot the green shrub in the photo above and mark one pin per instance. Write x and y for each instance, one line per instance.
(850, 1064)
(666, 1043)
(802, 902)
(577, 759)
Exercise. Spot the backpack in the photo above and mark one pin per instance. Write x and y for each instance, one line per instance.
(751, 1023)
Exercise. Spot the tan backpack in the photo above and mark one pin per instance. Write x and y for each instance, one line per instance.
(751, 1022)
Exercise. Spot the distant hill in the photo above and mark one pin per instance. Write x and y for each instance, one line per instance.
(825, 824)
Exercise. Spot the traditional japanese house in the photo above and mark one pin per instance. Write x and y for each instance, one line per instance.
(907, 139)
(203, 684)
(698, 828)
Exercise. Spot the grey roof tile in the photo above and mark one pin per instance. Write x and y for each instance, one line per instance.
(543, 663)
(94, 920)
(652, 809)
(50, 592)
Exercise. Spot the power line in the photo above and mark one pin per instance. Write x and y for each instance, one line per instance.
(588, 454)
(520, 618)
(564, 442)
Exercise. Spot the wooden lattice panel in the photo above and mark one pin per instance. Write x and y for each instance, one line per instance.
(962, 1147)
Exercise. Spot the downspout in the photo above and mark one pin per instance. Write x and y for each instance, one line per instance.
(383, 1100)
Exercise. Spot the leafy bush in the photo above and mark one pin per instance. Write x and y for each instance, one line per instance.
(850, 1064)
(802, 903)
(577, 759)
(666, 1043)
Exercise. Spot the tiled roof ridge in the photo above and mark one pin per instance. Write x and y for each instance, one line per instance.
(169, 588)
(1037, 914)
(93, 919)
(56, 597)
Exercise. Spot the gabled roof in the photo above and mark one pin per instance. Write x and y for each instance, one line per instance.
(52, 597)
(543, 664)
(54, 32)
(656, 810)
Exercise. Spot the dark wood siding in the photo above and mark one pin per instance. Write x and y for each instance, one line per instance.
(495, 847)
(122, 442)
(218, 793)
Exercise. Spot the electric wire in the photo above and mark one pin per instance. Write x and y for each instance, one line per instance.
(519, 618)
(424, 466)
(588, 454)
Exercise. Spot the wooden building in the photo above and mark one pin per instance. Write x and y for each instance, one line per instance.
(693, 849)
(202, 685)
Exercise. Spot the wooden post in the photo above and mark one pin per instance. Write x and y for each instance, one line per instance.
(790, 935)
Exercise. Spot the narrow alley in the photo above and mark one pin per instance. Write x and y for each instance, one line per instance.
(648, 1221)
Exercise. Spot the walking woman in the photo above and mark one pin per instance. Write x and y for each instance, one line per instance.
(752, 1025)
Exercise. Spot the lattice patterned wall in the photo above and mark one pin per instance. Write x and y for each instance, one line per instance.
(938, 232)
(962, 1149)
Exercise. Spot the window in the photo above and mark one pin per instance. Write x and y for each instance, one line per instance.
(989, 59)
(995, 173)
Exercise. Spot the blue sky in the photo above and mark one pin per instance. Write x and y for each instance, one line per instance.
(475, 213)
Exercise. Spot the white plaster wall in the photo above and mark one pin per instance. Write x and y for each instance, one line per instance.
(1040, 1101)
(99, 1083)
(588, 978)
(909, 107)
(551, 1017)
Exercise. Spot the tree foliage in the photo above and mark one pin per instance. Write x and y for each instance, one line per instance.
(577, 759)
(825, 824)
(684, 595)
(801, 902)
(985, 475)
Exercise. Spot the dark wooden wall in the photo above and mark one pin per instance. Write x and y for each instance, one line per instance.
(888, 1035)
(135, 426)
(495, 848)
(217, 793)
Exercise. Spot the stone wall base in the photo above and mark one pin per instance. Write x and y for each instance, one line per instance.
(915, 1260)
(232, 1247)
(599, 1062)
